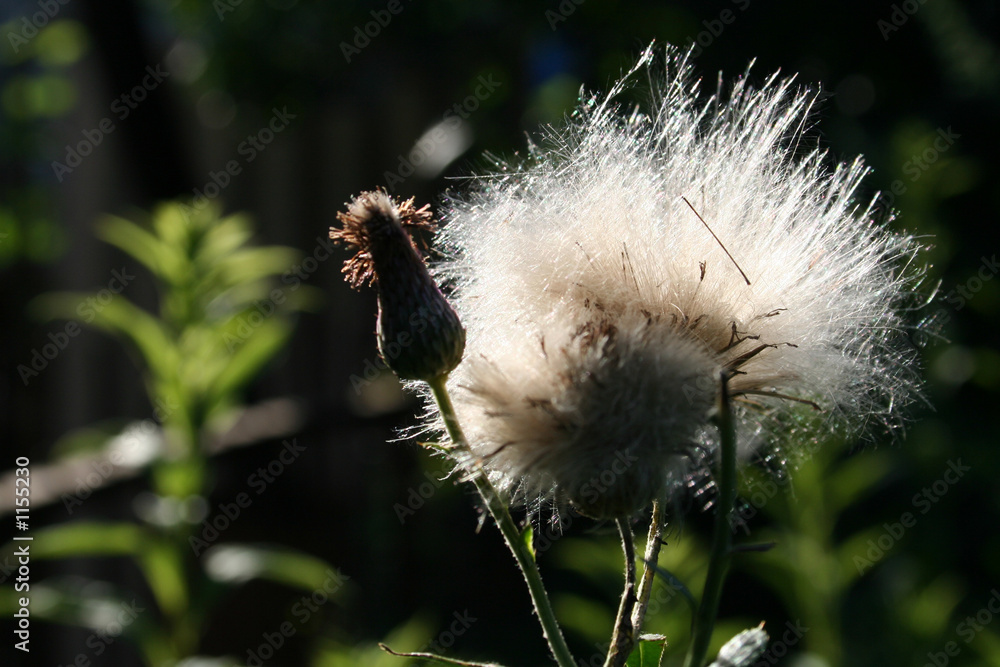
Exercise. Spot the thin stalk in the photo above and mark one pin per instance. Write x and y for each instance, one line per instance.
(722, 534)
(653, 542)
(623, 637)
(511, 535)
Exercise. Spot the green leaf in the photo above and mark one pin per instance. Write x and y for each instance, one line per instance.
(860, 553)
(648, 651)
(223, 238)
(249, 264)
(179, 477)
(242, 562)
(161, 259)
(248, 358)
(88, 538)
(164, 570)
(95, 604)
(87, 440)
(854, 477)
(677, 585)
(177, 225)
(121, 317)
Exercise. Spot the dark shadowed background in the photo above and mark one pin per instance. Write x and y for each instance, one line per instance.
(285, 109)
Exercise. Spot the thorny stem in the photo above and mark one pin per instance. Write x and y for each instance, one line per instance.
(704, 619)
(653, 542)
(623, 637)
(512, 536)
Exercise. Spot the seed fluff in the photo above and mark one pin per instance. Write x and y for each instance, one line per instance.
(600, 310)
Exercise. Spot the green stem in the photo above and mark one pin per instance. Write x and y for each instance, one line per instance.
(511, 535)
(722, 534)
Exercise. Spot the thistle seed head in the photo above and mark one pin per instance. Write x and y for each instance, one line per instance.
(601, 311)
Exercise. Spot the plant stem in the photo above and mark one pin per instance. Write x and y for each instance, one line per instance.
(653, 542)
(511, 535)
(722, 535)
(623, 637)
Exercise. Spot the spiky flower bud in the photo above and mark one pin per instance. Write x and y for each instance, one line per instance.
(744, 649)
(419, 334)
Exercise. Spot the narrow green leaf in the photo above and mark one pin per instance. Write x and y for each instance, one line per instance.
(88, 538)
(242, 562)
(222, 238)
(677, 585)
(858, 475)
(87, 440)
(176, 225)
(248, 264)
(118, 316)
(161, 259)
(164, 571)
(249, 355)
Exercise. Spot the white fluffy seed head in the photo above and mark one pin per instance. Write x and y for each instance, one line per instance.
(601, 311)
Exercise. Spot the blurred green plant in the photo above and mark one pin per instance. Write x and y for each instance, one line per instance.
(221, 320)
(37, 87)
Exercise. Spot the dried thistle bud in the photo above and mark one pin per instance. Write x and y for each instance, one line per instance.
(744, 649)
(419, 334)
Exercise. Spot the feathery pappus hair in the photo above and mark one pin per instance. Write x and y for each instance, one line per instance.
(600, 310)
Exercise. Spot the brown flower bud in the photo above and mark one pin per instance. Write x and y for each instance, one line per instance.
(419, 334)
